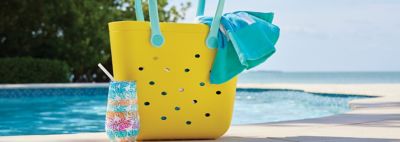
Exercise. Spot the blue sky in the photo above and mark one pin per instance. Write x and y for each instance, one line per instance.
(327, 35)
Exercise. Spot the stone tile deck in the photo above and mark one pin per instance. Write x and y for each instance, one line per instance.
(371, 120)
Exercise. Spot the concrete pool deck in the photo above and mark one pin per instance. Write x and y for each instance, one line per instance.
(370, 120)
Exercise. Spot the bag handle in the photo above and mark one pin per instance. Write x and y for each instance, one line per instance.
(157, 39)
(138, 10)
(200, 7)
(212, 38)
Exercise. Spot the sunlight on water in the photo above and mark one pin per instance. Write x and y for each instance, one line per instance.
(258, 106)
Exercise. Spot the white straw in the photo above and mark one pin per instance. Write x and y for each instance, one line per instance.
(105, 71)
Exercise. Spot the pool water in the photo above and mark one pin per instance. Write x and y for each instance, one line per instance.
(258, 105)
(63, 110)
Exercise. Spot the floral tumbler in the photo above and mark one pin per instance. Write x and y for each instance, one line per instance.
(122, 120)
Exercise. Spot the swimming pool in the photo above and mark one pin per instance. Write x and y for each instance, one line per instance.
(62, 110)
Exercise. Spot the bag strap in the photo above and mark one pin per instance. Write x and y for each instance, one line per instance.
(212, 38)
(200, 7)
(157, 39)
(138, 10)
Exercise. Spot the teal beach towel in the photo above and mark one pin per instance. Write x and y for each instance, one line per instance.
(245, 40)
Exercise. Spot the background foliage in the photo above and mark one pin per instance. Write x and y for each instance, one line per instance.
(73, 31)
(29, 70)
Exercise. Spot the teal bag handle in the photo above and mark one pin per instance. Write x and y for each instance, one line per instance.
(200, 7)
(138, 10)
(212, 38)
(156, 39)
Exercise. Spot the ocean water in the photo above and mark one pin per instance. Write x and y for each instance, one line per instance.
(320, 77)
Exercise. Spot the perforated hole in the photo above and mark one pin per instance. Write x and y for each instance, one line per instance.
(202, 83)
(152, 83)
(207, 114)
(187, 70)
(146, 103)
(218, 92)
(195, 101)
(164, 93)
(140, 68)
(163, 118)
(188, 122)
(177, 108)
(197, 55)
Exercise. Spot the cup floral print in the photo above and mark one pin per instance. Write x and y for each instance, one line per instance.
(122, 120)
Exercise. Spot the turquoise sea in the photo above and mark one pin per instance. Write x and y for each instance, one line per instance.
(319, 77)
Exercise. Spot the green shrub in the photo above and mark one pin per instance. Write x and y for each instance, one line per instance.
(31, 70)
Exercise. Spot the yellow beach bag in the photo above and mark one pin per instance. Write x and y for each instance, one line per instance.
(171, 64)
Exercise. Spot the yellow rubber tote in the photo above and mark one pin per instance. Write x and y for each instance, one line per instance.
(171, 64)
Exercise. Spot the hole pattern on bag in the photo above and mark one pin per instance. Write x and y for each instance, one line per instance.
(181, 111)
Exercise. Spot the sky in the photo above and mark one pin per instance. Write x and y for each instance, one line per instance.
(326, 35)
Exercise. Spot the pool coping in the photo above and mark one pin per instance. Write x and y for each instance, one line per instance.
(371, 119)
(52, 85)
